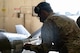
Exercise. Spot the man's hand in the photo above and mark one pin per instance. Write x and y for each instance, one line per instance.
(27, 46)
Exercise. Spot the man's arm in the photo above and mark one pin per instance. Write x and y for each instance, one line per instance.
(37, 48)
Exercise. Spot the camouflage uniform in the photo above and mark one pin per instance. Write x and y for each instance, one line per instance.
(69, 32)
(68, 35)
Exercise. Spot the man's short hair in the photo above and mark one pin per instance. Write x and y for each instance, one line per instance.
(42, 6)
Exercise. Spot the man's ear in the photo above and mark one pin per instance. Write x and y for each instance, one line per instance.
(45, 13)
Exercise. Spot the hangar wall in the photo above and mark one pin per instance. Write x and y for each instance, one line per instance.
(13, 12)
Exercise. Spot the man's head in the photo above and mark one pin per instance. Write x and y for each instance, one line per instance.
(43, 9)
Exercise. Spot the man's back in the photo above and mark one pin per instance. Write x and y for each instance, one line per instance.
(69, 33)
